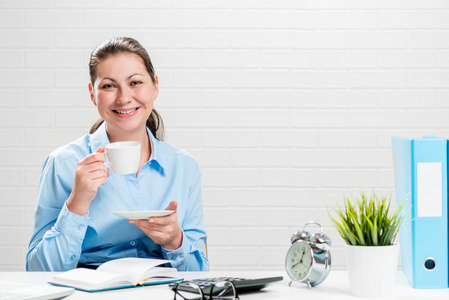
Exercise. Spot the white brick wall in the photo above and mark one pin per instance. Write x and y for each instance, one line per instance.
(286, 104)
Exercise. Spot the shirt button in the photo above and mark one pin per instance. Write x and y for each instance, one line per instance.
(132, 243)
(73, 257)
(174, 257)
(81, 227)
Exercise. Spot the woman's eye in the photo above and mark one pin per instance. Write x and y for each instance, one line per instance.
(107, 86)
(136, 82)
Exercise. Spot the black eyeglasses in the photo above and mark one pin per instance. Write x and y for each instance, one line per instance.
(222, 290)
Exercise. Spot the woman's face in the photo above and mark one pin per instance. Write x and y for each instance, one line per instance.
(124, 93)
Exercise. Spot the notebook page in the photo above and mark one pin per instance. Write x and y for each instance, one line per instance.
(91, 279)
(132, 266)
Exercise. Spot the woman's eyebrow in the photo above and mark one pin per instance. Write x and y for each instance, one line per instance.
(108, 78)
(134, 75)
(113, 80)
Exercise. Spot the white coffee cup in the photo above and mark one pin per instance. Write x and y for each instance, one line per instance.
(124, 157)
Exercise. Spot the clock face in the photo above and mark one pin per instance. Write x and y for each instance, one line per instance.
(299, 260)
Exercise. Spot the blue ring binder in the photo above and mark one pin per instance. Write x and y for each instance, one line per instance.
(420, 173)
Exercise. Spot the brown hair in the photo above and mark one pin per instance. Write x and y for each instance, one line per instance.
(116, 46)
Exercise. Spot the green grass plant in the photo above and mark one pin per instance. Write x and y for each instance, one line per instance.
(368, 221)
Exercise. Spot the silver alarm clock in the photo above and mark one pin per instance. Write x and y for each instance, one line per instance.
(308, 259)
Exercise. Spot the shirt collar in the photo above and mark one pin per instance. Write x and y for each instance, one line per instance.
(100, 139)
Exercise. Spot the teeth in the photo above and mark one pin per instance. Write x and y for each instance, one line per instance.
(125, 111)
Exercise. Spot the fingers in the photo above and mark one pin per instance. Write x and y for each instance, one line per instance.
(165, 223)
(162, 230)
(144, 224)
(94, 162)
(155, 222)
(172, 206)
(93, 169)
(159, 234)
(90, 174)
(98, 156)
(93, 179)
(160, 221)
(98, 173)
(165, 220)
(94, 157)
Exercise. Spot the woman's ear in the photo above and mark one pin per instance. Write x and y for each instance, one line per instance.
(91, 93)
(156, 87)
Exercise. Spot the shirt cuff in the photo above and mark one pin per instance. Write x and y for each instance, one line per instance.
(179, 255)
(72, 224)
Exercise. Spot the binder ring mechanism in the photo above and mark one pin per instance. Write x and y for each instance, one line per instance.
(429, 264)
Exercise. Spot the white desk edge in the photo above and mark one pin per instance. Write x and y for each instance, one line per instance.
(336, 286)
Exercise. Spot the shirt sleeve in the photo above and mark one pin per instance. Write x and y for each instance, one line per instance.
(191, 256)
(58, 234)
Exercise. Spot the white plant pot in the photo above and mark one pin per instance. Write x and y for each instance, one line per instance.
(372, 269)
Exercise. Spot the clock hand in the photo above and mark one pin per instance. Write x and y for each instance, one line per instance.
(299, 262)
(303, 252)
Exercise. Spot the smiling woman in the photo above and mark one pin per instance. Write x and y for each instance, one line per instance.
(126, 46)
(74, 224)
(124, 93)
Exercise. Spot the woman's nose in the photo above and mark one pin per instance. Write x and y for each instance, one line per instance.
(124, 95)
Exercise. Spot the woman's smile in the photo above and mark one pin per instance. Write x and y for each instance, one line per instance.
(126, 112)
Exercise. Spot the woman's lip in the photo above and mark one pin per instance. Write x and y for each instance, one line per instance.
(125, 109)
(126, 115)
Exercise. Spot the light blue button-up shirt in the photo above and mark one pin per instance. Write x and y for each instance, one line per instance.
(62, 239)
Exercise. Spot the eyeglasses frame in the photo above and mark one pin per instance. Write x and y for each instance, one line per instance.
(175, 290)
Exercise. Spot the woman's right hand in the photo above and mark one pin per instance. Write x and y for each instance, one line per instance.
(91, 172)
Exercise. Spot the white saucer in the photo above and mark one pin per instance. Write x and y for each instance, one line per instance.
(142, 214)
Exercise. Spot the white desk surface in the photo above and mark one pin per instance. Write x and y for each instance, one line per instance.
(336, 286)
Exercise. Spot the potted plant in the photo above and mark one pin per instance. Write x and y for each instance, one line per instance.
(369, 227)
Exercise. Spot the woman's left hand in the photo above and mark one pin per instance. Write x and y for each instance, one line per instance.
(163, 230)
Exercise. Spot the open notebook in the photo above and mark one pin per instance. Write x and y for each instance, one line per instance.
(22, 291)
(118, 274)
